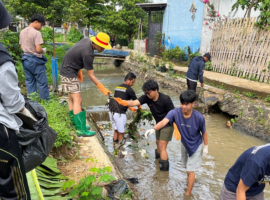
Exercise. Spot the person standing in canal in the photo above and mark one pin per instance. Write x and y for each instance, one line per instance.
(191, 125)
(246, 179)
(13, 182)
(80, 56)
(32, 60)
(118, 120)
(195, 71)
(159, 104)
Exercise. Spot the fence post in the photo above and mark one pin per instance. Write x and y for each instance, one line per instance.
(55, 73)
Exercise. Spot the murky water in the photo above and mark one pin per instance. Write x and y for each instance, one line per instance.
(225, 145)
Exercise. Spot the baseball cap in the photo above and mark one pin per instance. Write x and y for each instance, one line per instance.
(207, 55)
(5, 17)
(39, 18)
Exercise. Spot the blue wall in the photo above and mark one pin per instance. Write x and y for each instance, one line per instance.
(178, 25)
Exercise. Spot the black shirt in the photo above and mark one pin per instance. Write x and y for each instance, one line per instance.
(124, 92)
(80, 56)
(159, 108)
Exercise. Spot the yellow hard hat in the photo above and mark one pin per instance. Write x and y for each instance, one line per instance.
(102, 40)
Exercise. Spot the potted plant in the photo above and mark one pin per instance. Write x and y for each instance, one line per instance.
(163, 66)
(171, 68)
(157, 64)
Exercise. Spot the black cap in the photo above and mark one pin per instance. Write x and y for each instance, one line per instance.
(39, 18)
(207, 55)
(5, 17)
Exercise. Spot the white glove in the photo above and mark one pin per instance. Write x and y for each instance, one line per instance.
(205, 150)
(44, 50)
(149, 132)
(27, 113)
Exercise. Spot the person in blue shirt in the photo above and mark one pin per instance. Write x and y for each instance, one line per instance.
(246, 179)
(191, 125)
(195, 71)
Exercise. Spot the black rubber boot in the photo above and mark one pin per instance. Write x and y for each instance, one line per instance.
(164, 165)
(157, 154)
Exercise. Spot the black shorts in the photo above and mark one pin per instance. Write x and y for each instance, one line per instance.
(192, 85)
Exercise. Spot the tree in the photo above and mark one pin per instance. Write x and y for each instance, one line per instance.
(246, 5)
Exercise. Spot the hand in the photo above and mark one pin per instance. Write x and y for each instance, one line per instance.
(132, 109)
(202, 84)
(205, 150)
(44, 50)
(140, 107)
(27, 113)
(121, 102)
(80, 76)
(149, 132)
(104, 90)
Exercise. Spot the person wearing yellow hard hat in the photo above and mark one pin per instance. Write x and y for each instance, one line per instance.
(81, 56)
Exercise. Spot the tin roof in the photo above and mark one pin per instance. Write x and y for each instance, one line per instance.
(152, 6)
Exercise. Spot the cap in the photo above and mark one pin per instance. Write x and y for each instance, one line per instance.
(207, 55)
(39, 18)
(5, 17)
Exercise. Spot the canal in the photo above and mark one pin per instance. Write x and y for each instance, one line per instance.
(225, 145)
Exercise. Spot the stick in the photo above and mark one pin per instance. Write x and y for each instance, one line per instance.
(98, 129)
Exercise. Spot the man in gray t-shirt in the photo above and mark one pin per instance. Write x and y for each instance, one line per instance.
(81, 56)
(33, 61)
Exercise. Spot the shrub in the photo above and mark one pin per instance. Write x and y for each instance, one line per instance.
(192, 55)
(47, 34)
(74, 35)
(131, 45)
(10, 41)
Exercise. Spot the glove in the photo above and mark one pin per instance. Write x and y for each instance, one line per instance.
(149, 132)
(132, 109)
(27, 113)
(80, 76)
(104, 90)
(205, 150)
(140, 107)
(176, 132)
(121, 102)
(44, 50)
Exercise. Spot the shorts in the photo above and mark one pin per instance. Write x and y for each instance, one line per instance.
(165, 134)
(192, 163)
(228, 195)
(70, 85)
(118, 122)
(192, 85)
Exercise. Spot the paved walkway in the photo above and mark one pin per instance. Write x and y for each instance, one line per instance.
(232, 82)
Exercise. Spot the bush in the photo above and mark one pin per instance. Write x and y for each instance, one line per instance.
(192, 55)
(10, 41)
(131, 45)
(122, 42)
(74, 35)
(47, 34)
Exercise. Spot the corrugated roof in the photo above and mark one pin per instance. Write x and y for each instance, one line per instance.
(152, 6)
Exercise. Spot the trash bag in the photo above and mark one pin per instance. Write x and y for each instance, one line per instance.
(116, 189)
(35, 137)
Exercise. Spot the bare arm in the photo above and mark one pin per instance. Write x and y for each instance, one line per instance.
(39, 49)
(205, 139)
(21, 47)
(161, 124)
(92, 76)
(241, 191)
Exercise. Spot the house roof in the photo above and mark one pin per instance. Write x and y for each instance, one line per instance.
(152, 6)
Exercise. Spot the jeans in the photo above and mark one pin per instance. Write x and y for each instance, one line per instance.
(35, 75)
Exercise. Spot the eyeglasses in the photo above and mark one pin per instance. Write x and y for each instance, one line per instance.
(148, 93)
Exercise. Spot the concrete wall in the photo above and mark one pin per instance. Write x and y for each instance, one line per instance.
(178, 26)
(139, 45)
(224, 8)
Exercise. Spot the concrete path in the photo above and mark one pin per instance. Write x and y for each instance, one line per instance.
(232, 82)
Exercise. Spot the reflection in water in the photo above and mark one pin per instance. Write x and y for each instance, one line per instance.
(225, 146)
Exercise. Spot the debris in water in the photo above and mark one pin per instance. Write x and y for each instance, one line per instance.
(113, 105)
(143, 153)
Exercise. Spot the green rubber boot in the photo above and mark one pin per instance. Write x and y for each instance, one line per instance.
(80, 122)
(71, 114)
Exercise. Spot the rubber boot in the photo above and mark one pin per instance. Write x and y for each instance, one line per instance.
(71, 114)
(157, 154)
(164, 165)
(80, 123)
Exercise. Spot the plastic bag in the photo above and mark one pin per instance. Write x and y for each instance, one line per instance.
(36, 138)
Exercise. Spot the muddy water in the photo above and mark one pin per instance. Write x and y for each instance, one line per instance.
(225, 145)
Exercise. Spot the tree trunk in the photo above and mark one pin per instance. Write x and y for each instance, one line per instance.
(88, 27)
(250, 8)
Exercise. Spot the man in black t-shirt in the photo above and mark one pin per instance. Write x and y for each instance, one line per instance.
(159, 104)
(80, 56)
(118, 120)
